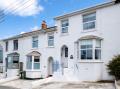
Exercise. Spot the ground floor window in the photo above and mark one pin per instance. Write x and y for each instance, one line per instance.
(13, 61)
(33, 62)
(90, 49)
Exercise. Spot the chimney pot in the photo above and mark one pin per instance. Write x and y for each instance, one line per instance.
(44, 25)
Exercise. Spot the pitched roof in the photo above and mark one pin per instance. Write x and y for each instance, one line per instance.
(36, 32)
(85, 10)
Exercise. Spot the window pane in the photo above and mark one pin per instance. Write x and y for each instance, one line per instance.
(51, 40)
(7, 46)
(29, 62)
(15, 42)
(35, 42)
(97, 54)
(83, 47)
(66, 52)
(36, 59)
(83, 54)
(64, 29)
(89, 25)
(64, 25)
(86, 42)
(98, 44)
(89, 54)
(36, 65)
(89, 17)
(51, 37)
(89, 46)
(10, 62)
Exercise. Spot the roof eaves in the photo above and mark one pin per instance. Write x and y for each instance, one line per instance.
(85, 10)
(36, 32)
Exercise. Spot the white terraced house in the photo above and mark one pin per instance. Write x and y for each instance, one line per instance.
(78, 47)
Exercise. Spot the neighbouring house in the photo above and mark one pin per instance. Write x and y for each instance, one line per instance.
(1, 59)
(77, 48)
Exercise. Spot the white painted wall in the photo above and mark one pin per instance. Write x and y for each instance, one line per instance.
(108, 25)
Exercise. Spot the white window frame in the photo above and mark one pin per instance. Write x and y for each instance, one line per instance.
(32, 66)
(64, 27)
(93, 50)
(15, 45)
(87, 22)
(50, 34)
(36, 41)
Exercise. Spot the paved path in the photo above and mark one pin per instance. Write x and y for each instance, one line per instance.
(27, 84)
(5, 87)
(58, 85)
(17, 84)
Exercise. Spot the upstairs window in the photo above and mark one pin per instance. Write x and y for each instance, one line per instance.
(6, 46)
(35, 42)
(89, 21)
(15, 44)
(64, 24)
(50, 40)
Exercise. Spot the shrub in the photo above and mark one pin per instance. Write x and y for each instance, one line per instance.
(114, 67)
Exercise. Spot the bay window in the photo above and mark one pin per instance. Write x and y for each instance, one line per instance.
(13, 61)
(33, 62)
(90, 49)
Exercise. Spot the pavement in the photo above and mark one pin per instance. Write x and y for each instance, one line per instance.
(5, 87)
(72, 85)
(27, 84)
(17, 84)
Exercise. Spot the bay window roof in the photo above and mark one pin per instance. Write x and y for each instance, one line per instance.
(90, 37)
(34, 53)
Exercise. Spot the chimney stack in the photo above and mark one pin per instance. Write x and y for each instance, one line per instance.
(44, 25)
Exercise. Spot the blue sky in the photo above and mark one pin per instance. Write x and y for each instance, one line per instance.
(15, 23)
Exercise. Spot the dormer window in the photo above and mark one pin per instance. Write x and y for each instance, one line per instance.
(64, 25)
(89, 21)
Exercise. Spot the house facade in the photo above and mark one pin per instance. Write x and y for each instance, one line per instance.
(78, 48)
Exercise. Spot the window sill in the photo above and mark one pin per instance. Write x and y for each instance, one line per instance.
(89, 30)
(90, 61)
(64, 34)
(15, 50)
(34, 70)
(50, 47)
(34, 49)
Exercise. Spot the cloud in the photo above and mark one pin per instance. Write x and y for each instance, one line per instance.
(34, 28)
(21, 7)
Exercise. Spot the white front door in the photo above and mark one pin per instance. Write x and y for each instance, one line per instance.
(64, 58)
(50, 66)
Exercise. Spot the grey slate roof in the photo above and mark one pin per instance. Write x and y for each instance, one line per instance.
(36, 32)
